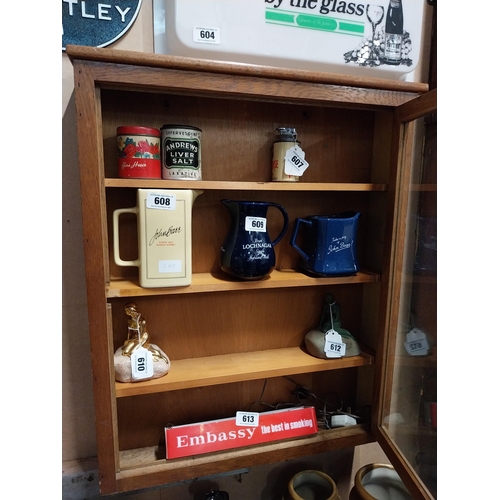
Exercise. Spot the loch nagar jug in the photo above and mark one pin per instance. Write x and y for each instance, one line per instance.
(248, 251)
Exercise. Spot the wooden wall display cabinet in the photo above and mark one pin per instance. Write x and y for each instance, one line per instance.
(238, 345)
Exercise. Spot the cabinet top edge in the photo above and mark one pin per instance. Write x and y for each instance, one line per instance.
(98, 54)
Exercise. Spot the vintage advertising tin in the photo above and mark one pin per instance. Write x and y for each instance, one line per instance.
(138, 152)
(181, 152)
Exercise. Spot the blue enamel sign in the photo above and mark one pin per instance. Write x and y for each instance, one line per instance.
(96, 23)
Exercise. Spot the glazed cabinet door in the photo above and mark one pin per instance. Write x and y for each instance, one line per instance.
(406, 417)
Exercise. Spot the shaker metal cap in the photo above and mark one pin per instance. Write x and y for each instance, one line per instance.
(287, 134)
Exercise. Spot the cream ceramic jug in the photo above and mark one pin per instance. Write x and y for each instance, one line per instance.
(164, 236)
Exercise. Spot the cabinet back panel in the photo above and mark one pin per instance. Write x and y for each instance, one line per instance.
(242, 321)
(237, 136)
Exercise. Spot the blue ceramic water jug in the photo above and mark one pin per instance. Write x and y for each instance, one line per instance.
(247, 252)
(329, 243)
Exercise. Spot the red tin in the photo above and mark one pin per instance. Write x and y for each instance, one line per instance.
(138, 152)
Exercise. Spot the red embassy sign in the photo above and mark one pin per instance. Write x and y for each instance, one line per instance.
(217, 435)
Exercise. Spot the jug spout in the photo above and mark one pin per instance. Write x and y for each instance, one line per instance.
(196, 193)
(229, 203)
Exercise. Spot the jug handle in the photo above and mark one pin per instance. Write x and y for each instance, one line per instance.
(285, 218)
(116, 236)
(296, 226)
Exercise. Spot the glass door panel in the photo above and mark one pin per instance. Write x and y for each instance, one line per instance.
(408, 418)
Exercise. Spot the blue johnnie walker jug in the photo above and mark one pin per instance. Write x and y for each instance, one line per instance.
(248, 251)
(328, 243)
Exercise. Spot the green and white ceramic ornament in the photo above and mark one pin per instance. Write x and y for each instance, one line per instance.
(330, 320)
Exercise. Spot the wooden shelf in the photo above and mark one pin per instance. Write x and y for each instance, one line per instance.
(418, 430)
(424, 279)
(428, 362)
(244, 186)
(143, 468)
(421, 188)
(238, 367)
(207, 282)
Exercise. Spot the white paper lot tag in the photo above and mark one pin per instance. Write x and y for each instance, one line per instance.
(142, 364)
(416, 343)
(334, 346)
(256, 224)
(206, 35)
(247, 419)
(160, 201)
(295, 161)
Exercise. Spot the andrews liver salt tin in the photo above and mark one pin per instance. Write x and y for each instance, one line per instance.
(138, 152)
(181, 152)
